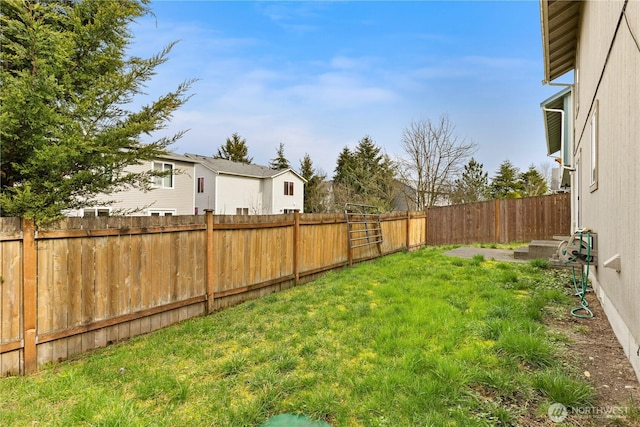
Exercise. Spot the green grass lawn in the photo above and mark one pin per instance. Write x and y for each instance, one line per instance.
(410, 339)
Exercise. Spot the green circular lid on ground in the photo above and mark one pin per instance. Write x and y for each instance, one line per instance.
(290, 420)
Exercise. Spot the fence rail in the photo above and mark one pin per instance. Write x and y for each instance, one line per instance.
(83, 283)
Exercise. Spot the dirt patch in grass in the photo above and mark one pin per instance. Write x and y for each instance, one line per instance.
(596, 352)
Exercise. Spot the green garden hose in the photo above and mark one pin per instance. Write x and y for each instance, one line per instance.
(582, 312)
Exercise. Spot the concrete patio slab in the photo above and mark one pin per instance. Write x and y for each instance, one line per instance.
(488, 253)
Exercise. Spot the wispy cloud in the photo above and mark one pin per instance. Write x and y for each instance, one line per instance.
(504, 63)
(293, 16)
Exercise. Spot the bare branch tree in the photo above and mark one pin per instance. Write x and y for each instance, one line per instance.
(435, 156)
(545, 169)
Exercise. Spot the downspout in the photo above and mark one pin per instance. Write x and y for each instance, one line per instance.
(562, 137)
(215, 193)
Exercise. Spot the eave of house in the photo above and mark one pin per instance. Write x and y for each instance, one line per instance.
(553, 121)
(560, 22)
(177, 157)
(283, 171)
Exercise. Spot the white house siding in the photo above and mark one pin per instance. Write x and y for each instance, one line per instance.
(179, 200)
(613, 209)
(235, 192)
(207, 199)
(280, 201)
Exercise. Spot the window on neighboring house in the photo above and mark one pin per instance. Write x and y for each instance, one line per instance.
(290, 211)
(593, 150)
(93, 212)
(242, 211)
(161, 212)
(163, 181)
(288, 188)
(201, 184)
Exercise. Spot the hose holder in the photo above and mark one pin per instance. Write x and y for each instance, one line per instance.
(579, 249)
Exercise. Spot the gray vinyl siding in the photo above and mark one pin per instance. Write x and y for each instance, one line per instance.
(613, 208)
(235, 192)
(207, 199)
(180, 198)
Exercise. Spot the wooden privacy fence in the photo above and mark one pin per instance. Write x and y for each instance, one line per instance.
(500, 221)
(83, 283)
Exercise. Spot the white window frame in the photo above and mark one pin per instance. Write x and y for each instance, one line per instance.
(200, 184)
(96, 211)
(576, 191)
(289, 188)
(593, 149)
(161, 212)
(576, 81)
(161, 181)
(242, 211)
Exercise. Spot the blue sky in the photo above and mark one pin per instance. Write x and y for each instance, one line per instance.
(318, 76)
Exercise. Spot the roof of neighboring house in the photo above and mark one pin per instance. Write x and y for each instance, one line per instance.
(560, 21)
(228, 167)
(177, 157)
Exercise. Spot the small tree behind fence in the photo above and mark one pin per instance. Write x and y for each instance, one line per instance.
(83, 283)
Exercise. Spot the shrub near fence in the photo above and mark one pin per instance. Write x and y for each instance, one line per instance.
(83, 283)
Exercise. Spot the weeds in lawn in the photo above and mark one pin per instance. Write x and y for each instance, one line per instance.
(477, 260)
(540, 263)
(410, 339)
(562, 388)
(529, 347)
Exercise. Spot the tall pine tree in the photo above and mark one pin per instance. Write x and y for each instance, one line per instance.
(234, 149)
(506, 184)
(364, 176)
(315, 192)
(67, 130)
(533, 183)
(280, 161)
(345, 168)
(473, 184)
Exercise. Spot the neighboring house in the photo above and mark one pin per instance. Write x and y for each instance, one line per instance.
(595, 125)
(171, 195)
(233, 188)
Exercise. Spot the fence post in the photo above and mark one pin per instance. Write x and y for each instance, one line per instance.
(29, 295)
(349, 248)
(408, 229)
(497, 216)
(426, 226)
(209, 273)
(296, 247)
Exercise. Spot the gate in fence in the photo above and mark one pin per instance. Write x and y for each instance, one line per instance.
(363, 227)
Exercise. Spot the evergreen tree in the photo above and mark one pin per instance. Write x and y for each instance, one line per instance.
(280, 161)
(66, 82)
(506, 184)
(364, 176)
(473, 185)
(533, 183)
(315, 191)
(234, 149)
(344, 171)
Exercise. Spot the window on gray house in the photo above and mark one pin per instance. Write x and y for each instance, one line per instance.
(163, 181)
